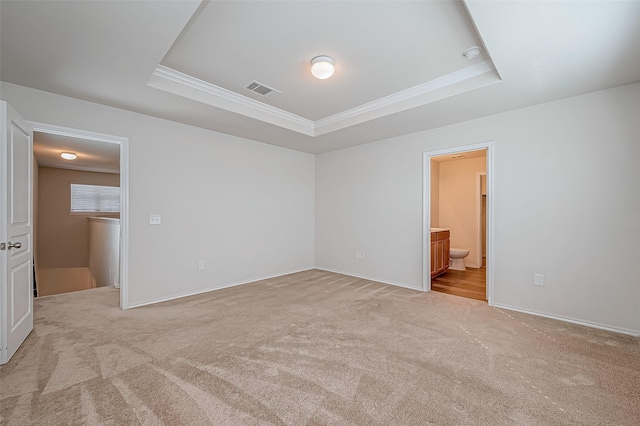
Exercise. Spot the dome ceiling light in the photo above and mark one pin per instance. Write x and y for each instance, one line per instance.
(69, 155)
(322, 67)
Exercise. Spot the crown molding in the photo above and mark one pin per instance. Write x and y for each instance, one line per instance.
(168, 79)
(465, 79)
(399, 101)
(83, 168)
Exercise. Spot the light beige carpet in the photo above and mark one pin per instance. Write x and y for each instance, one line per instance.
(314, 348)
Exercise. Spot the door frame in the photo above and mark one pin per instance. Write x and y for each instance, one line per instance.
(124, 191)
(479, 217)
(426, 212)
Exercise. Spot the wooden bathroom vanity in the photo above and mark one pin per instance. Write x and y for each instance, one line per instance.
(439, 251)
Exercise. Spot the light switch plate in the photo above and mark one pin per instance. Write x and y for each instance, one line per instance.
(154, 219)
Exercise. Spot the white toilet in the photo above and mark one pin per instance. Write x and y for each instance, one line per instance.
(457, 259)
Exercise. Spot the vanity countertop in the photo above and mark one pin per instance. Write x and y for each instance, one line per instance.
(439, 229)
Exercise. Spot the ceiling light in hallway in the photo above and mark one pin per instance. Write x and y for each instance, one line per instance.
(68, 155)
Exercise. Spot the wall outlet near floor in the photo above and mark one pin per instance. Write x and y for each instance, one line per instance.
(155, 219)
(200, 265)
(360, 255)
(538, 279)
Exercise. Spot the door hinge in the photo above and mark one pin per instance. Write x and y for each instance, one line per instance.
(3, 246)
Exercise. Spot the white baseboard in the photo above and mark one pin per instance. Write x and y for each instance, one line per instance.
(635, 333)
(233, 284)
(369, 278)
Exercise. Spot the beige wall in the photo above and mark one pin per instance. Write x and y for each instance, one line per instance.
(435, 194)
(458, 199)
(64, 280)
(63, 238)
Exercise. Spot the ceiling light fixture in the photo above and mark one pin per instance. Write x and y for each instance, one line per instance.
(69, 155)
(322, 67)
(472, 52)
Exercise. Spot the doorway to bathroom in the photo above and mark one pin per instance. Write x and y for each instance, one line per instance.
(457, 231)
(76, 204)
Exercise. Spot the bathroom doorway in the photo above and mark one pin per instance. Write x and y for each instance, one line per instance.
(102, 163)
(457, 203)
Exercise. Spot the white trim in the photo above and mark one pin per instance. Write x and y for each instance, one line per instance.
(395, 99)
(178, 83)
(491, 195)
(426, 222)
(232, 101)
(426, 211)
(124, 191)
(478, 260)
(364, 277)
(234, 284)
(76, 133)
(635, 333)
(124, 224)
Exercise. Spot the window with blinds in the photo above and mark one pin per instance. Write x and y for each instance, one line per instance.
(95, 199)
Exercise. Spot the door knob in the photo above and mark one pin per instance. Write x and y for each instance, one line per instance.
(11, 245)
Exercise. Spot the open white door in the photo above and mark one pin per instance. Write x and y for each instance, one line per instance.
(16, 253)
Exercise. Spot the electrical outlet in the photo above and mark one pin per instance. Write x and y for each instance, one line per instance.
(538, 279)
(154, 219)
(360, 255)
(200, 265)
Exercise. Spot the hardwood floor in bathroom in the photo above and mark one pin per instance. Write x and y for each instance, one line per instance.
(470, 283)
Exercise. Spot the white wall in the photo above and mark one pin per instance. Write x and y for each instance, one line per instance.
(245, 208)
(457, 204)
(565, 197)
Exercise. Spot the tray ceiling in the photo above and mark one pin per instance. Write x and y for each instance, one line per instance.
(399, 65)
(228, 44)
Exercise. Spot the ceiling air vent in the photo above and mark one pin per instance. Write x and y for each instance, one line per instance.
(262, 90)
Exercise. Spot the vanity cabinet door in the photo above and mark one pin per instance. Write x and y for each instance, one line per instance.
(439, 255)
(433, 255)
(440, 247)
(445, 252)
